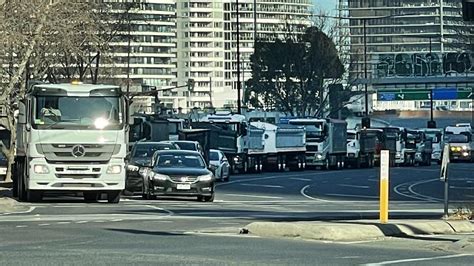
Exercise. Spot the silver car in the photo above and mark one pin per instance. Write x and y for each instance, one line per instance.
(219, 165)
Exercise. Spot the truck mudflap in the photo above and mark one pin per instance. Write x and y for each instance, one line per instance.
(77, 177)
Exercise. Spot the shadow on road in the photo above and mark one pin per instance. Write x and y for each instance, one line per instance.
(144, 232)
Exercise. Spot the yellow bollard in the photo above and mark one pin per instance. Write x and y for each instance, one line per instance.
(384, 174)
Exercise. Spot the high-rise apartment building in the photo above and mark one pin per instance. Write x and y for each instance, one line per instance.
(173, 41)
(207, 42)
(409, 44)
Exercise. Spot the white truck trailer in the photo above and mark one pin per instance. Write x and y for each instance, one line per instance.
(71, 138)
(282, 146)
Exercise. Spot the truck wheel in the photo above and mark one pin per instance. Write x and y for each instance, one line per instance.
(34, 195)
(21, 181)
(91, 196)
(113, 196)
(357, 163)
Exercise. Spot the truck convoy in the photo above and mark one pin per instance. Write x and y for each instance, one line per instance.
(71, 138)
(255, 146)
(326, 141)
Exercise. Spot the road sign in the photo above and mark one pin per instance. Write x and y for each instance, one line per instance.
(444, 163)
(447, 93)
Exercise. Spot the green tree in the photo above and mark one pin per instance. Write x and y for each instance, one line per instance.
(289, 74)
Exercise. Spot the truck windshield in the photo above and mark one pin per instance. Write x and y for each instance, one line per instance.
(68, 112)
(457, 138)
(434, 136)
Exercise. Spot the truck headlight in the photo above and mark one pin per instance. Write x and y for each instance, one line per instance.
(207, 177)
(114, 169)
(464, 147)
(465, 154)
(319, 156)
(41, 169)
(160, 177)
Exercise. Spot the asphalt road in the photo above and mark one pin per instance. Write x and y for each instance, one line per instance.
(64, 230)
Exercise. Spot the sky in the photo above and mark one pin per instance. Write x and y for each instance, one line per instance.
(326, 5)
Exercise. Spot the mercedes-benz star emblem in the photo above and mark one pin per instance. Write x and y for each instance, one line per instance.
(78, 151)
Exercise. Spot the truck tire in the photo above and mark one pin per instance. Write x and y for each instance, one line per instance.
(21, 180)
(114, 196)
(91, 196)
(34, 195)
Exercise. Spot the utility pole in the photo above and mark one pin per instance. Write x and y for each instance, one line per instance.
(210, 91)
(239, 101)
(365, 70)
(128, 50)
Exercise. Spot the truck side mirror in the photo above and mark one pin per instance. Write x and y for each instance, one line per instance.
(243, 130)
(22, 113)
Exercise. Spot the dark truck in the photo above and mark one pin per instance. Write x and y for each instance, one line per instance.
(385, 139)
(361, 148)
(198, 136)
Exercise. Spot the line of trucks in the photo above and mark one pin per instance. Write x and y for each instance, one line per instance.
(75, 138)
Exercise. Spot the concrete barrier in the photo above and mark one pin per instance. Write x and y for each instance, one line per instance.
(356, 230)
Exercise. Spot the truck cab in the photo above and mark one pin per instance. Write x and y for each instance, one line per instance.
(424, 147)
(326, 141)
(71, 138)
(437, 140)
(460, 140)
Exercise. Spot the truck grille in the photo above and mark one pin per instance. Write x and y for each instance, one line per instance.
(90, 152)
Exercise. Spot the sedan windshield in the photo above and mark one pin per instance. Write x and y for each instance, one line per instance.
(67, 112)
(179, 161)
(147, 150)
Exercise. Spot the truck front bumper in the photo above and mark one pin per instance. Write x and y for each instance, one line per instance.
(315, 159)
(76, 176)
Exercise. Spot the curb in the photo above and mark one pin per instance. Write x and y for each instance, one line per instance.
(357, 230)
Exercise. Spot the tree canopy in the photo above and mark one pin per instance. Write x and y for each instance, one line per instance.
(289, 74)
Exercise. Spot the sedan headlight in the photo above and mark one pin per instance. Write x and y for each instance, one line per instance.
(160, 177)
(133, 168)
(114, 169)
(207, 177)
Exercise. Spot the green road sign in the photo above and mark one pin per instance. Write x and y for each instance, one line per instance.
(417, 95)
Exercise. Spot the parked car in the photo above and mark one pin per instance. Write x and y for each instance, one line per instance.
(219, 165)
(179, 173)
(141, 156)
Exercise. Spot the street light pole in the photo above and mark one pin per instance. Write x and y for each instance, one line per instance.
(239, 102)
(365, 69)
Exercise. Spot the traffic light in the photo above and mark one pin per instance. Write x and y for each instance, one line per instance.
(190, 84)
(365, 122)
(468, 10)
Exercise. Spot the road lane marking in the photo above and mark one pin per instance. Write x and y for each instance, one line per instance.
(43, 224)
(170, 213)
(301, 179)
(418, 259)
(253, 196)
(409, 186)
(302, 192)
(352, 196)
(63, 222)
(353, 186)
(30, 209)
(257, 185)
(21, 226)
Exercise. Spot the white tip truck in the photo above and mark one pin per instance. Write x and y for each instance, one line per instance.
(71, 138)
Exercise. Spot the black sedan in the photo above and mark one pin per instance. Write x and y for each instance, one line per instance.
(141, 156)
(179, 173)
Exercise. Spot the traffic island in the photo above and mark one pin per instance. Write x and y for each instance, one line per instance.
(357, 230)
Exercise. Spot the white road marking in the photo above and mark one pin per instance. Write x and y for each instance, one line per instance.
(170, 213)
(116, 220)
(257, 185)
(302, 192)
(353, 186)
(398, 190)
(418, 259)
(21, 226)
(64, 222)
(43, 224)
(253, 196)
(353, 196)
(301, 179)
(81, 222)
